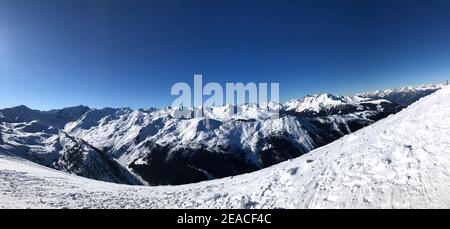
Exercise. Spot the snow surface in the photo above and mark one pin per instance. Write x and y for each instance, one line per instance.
(402, 161)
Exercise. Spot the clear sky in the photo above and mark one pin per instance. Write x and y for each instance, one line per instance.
(128, 53)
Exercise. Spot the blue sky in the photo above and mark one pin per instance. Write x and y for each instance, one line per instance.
(122, 53)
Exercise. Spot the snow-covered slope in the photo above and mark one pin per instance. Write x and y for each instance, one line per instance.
(402, 161)
(80, 158)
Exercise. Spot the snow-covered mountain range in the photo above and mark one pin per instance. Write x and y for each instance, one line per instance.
(151, 147)
(401, 161)
(403, 96)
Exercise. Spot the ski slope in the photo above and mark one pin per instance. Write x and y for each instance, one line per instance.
(402, 161)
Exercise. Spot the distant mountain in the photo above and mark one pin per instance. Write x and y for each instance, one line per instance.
(404, 96)
(55, 119)
(327, 104)
(161, 149)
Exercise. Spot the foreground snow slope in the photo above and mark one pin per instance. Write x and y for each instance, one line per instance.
(402, 161)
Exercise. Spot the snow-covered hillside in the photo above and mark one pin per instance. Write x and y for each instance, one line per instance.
(402, 161)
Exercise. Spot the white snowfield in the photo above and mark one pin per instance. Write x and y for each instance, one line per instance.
(402, 161)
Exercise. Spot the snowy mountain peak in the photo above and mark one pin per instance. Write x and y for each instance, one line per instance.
(321, 103)
(19, 113)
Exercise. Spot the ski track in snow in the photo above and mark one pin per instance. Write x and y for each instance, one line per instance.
(402, 161)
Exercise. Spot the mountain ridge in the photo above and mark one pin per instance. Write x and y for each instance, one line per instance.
(421, 87)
